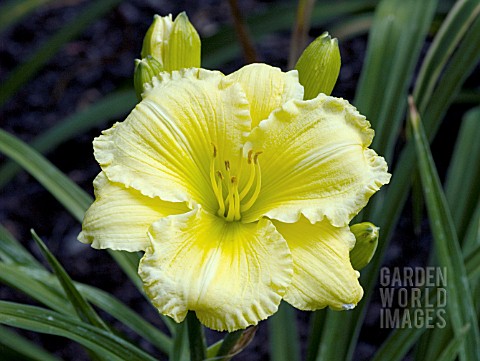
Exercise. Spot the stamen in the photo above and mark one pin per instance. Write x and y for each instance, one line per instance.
(249, 184)
(214, 150)
(232, 194)
(255, 158)
(250, 152)
(231, 206)
(258, 185)
(221, 203)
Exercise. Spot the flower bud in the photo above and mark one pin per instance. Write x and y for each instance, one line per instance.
(319, 66)
(174, 44)
(145, 70)
(366, 235)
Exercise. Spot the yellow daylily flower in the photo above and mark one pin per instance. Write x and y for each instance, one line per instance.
(239, 192)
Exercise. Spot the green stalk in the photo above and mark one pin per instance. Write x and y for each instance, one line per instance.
(196, 338)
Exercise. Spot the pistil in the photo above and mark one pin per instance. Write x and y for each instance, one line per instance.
(233, 204)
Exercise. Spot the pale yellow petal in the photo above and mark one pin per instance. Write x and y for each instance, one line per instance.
(267, 88)
(322, 273)
(119, 218)
(165, 146)
(231, 274)
(315, 162)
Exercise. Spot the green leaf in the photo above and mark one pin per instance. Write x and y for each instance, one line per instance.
(472, 236)
(401, 340)
(15, 277)
(44, 287)
(126, 315)
(283, 334)
(385, 211)
(41, 320)
(453, 29)
(83, 309)
(460, 301)
(111, 106)
(180, 349)
(22, 346)
(11, 251)
(396, 38)
(196, 337)
(71, 196)
(453, 348)
(13, 11)
(317, 320)
(24, 72)
(462, 186)
(472, 264)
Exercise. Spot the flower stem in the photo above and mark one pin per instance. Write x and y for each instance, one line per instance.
(196, 337)
(229, 342)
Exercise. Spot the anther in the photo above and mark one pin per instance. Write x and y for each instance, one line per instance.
(220, 175)
(214, 150)
(255, 158)
(227, 165)
(250, 152)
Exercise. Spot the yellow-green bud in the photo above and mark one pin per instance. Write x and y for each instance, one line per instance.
(366, 235)
(145, 70)
(175, 44)
(319, 66)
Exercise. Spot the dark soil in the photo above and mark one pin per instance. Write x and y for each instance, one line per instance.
(93, 65)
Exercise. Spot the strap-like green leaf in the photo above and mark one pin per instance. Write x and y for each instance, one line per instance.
(460, 301)
(396, 37)
(24, 72)
(180, 349)
(111, 106)
(196, 337)
(13, 11)
(23, 347)
(386, 211)
(398, 32)
(283, 334)
(401, 340)
(83, 309)
(458, 20)
(317, 320)
(44, 287)
(71, 196)
(462, 187)
(41, 320)
(16, 277)
(11, 251)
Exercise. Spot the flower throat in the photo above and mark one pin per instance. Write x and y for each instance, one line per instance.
(223, 182)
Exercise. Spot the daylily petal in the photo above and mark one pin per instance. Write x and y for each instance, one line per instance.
(231, 274)
(165, 146)
(315, 162)
(267, 88)
(322, 273)
(120, 217)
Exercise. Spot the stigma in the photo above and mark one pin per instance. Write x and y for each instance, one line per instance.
(232, 200)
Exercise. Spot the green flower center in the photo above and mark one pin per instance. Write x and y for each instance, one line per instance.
(223, 182)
